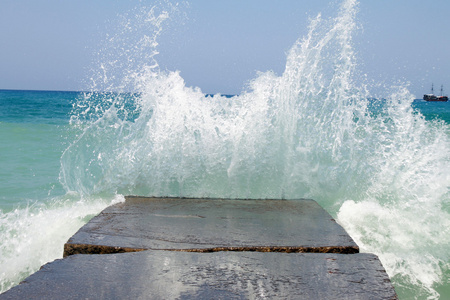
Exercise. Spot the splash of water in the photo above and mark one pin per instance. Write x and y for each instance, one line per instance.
(312, 132)
(182, 143)
(35, 235)
(307, 133)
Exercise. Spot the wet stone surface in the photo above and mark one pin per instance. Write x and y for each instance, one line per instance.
(208, 225)
(172, 248)
(156, 274)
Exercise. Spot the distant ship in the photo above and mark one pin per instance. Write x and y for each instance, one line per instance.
(433, 97)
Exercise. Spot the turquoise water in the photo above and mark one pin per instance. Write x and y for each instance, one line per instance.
(380, 167)
(33, 128)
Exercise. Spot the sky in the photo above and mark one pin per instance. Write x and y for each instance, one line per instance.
(220, 46)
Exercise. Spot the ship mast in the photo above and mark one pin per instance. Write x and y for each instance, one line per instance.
(432, 88)
(442, 90)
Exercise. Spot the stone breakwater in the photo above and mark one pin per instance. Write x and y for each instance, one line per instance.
(179, 248)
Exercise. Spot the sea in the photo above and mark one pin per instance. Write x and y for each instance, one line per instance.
(379, 165)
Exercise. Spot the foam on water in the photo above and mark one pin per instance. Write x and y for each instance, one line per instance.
(383, 172)
(35, 235)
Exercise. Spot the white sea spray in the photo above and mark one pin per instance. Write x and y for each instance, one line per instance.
(34, 235)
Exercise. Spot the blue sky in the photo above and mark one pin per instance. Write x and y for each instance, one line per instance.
(220, 45)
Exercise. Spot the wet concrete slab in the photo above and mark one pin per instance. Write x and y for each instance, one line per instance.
(156, 274)
(208, 225)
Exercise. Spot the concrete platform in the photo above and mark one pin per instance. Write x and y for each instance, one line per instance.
(157, 274)
(207, 225)
(172, 248)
